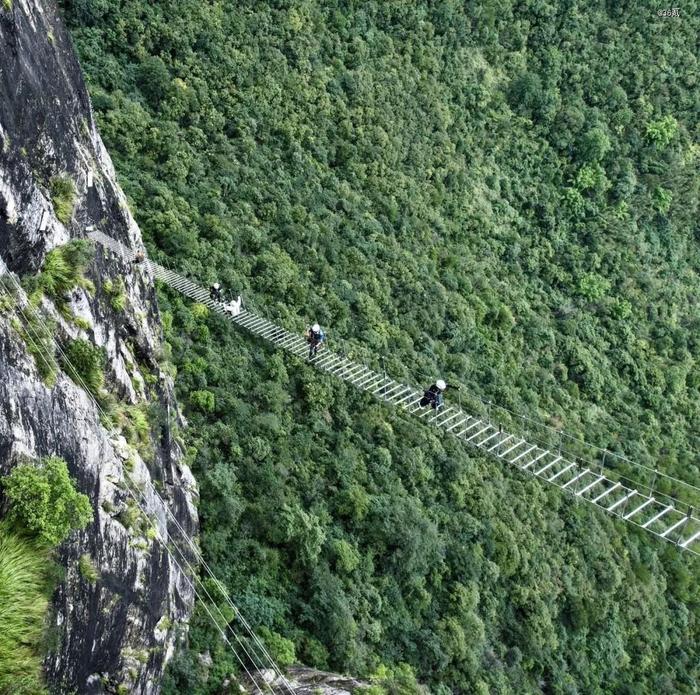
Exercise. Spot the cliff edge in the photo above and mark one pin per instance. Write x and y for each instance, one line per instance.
(113, 628)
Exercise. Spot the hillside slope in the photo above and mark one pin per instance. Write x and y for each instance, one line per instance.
(503, 194)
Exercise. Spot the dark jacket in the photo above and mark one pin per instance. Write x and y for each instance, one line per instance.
(433, 397)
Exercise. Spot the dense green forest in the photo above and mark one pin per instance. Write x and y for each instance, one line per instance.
(502, 193)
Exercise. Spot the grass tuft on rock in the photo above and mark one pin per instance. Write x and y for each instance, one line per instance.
(63, 197)
(24, 591)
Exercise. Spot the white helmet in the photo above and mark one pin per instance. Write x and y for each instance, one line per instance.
(216, 285)
(315, 328)
(441, 384)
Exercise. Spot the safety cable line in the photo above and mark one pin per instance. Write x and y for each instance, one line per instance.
(237, 612)
(173, 518)
(614, 493)
(142, 507)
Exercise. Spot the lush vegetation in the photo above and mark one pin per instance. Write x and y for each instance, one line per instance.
(61, 273)
(43, 507)
(43, 500)
(23, 604)
(503, 194)
(84, 363)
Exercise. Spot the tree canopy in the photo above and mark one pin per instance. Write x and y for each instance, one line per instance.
(503, 194)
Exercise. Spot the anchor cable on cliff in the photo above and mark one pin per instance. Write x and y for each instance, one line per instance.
(222, 623)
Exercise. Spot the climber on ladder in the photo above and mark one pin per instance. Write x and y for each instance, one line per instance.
(234, 306)
(433, 396)
(314, 337)
(215, 292)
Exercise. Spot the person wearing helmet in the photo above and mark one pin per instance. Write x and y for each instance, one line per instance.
(215, 292)
(314, 337)
(433, 396)
(233, 308)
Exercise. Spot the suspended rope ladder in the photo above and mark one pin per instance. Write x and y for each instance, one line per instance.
(663, 516)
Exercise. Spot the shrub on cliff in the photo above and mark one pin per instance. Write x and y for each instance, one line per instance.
(84, 363)
(44, 500)
(62, 271)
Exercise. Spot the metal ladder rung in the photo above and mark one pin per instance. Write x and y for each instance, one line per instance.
(244, 313)
(439, 412)
(436, 420)
(289, 340)
(323, 359)
(371, 376)
(574, 479)
(589, 486)
(385, 387)
(481, 431)
(674, 527)
(615, 505)
(386, 390)
(177, 284)
(662, 513)
(489, 438)
(252, 322)
(476, 423)
(394, 392)
(266, 330)
(376, 383)
(373, 382)
(394, 396)
(688, 541)
(298, 350)
(370, 379)
(499, 443)
(271, 333)
(606, 493)
(452, 417)
(458, 424)
(336, 369)
(350, 371)
(561, 472)
(639, 508)
(535, 460)
(524, 453)
(341, 366)
(331, 363)
(411, 404)
(355, 380)
(411, 395)
(549, 465)
(512, 448)
(429, 410)
(280, 338)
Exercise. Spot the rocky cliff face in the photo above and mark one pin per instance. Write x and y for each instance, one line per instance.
(114, 630)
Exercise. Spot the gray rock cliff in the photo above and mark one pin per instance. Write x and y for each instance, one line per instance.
(114, 633)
